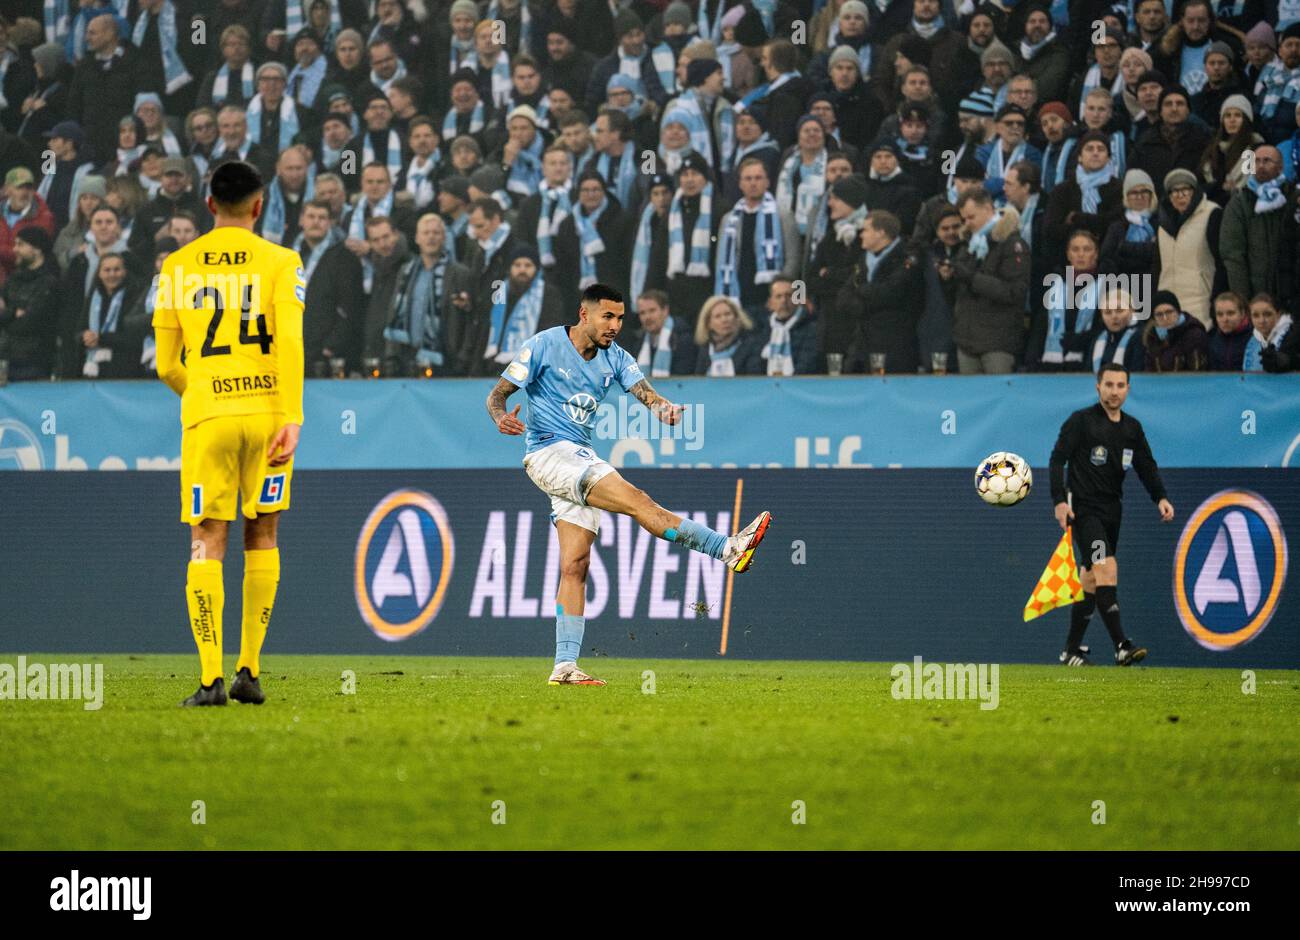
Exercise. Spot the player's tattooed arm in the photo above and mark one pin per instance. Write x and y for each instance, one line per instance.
(506, 422)
(659, 406)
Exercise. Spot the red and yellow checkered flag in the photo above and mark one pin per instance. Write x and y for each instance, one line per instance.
(1059, 586)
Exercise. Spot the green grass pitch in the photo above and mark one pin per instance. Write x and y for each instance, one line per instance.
(714, 759)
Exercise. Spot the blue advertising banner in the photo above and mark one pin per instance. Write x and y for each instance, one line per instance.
(859, 565)
(847, 423)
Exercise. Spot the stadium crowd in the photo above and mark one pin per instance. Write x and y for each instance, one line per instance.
(779, 187)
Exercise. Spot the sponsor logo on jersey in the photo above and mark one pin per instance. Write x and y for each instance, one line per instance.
(517, 371)
(1229, 569)
(243, 383)
(1098, 456)
(272, 490)
(580, 407)
(403, 564)
(224, 257)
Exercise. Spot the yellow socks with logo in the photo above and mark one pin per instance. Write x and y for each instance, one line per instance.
(205, 595)
(261, 577)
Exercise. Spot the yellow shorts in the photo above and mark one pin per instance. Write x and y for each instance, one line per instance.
(224, 467)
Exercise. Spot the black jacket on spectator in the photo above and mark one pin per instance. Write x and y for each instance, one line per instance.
(125, 341)
(1185, 349)
(858, 114)
(1121, 256)
(803, 344)
(898, 196)
(828, 271)
(28, 341)
(477, 330)
(1065, 214)
(607, 67)
(990, 309)
(681, 343)
(1227, 351)
(934, 329)
(1285, 357)
(781, 110)
(334, 308)
(1158, 155)
(747, 360)
(886, 309)
(101, 93)
(571, 74)
(157, 212)
(613, 265)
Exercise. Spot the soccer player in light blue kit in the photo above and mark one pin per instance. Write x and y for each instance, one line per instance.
(567, 372)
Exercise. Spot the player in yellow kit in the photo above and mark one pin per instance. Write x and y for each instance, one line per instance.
(233, 302)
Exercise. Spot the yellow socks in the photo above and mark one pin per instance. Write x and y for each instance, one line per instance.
(261, 576)
(205, 595)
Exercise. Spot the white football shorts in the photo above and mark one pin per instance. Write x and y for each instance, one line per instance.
(566, 472)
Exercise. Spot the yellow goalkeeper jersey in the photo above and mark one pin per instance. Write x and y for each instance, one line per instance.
(238, 301)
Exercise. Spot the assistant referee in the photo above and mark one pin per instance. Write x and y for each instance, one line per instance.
(1099, 444)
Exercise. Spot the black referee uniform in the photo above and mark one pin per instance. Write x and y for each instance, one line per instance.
(1098, 453)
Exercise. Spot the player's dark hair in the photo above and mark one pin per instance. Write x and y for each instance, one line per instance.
(1112, 367)
(595, 293)
(234, 183)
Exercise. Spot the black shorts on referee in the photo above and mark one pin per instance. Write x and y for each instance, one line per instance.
(1095, 529)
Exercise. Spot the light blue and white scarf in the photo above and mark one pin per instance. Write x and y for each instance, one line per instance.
(763, 143)
(383, 83)
(525, 23)
(1092, 79)
(502, 86)
(309, 81)
(92, 258)
(149, 349)
(392, 159)
(8, 56)
(592, 244)
(763, 90)
(462, 54)
(1027, 219)
(1268, 196)
(687, 111)
(701, 237)
(927, 30)
(1090, 185)
(416, 321)
(101, 322)
(1192, 66)
(556, 207)
(1121, 347)
(657, 361)
(778, 352)
(995, 166)
(802, 198)
(526, 170)
(721, 363)
(449, 123)
(979, 242)
(1030, 49)
(288, 122)
(1139, 226)
(175, 75)
(274, 219)
(641, 251)
(1274, 79)
(1162, 332)
(767, 11)
(357, 229)
(58, 19)
(494, 242)
(419, 178)
(625, 182)
(1288, 13)
(769, 247)
(1057, 170)
(726, 52)
(1253, 361)
(295, 16)
(221, 84)
(1085, 303)
(508, 336)
(872, 259)
(664, 61)
(312, 258)
(706, 29)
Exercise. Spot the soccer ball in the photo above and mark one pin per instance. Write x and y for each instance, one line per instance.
(1003, 479)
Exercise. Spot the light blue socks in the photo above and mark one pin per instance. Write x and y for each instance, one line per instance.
(698, 538)
(568, 635)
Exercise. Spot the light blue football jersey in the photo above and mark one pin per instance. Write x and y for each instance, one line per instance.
(564, 389)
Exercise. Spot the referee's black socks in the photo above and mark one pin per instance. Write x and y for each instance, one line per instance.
(1108, 604)
(1080, 614)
